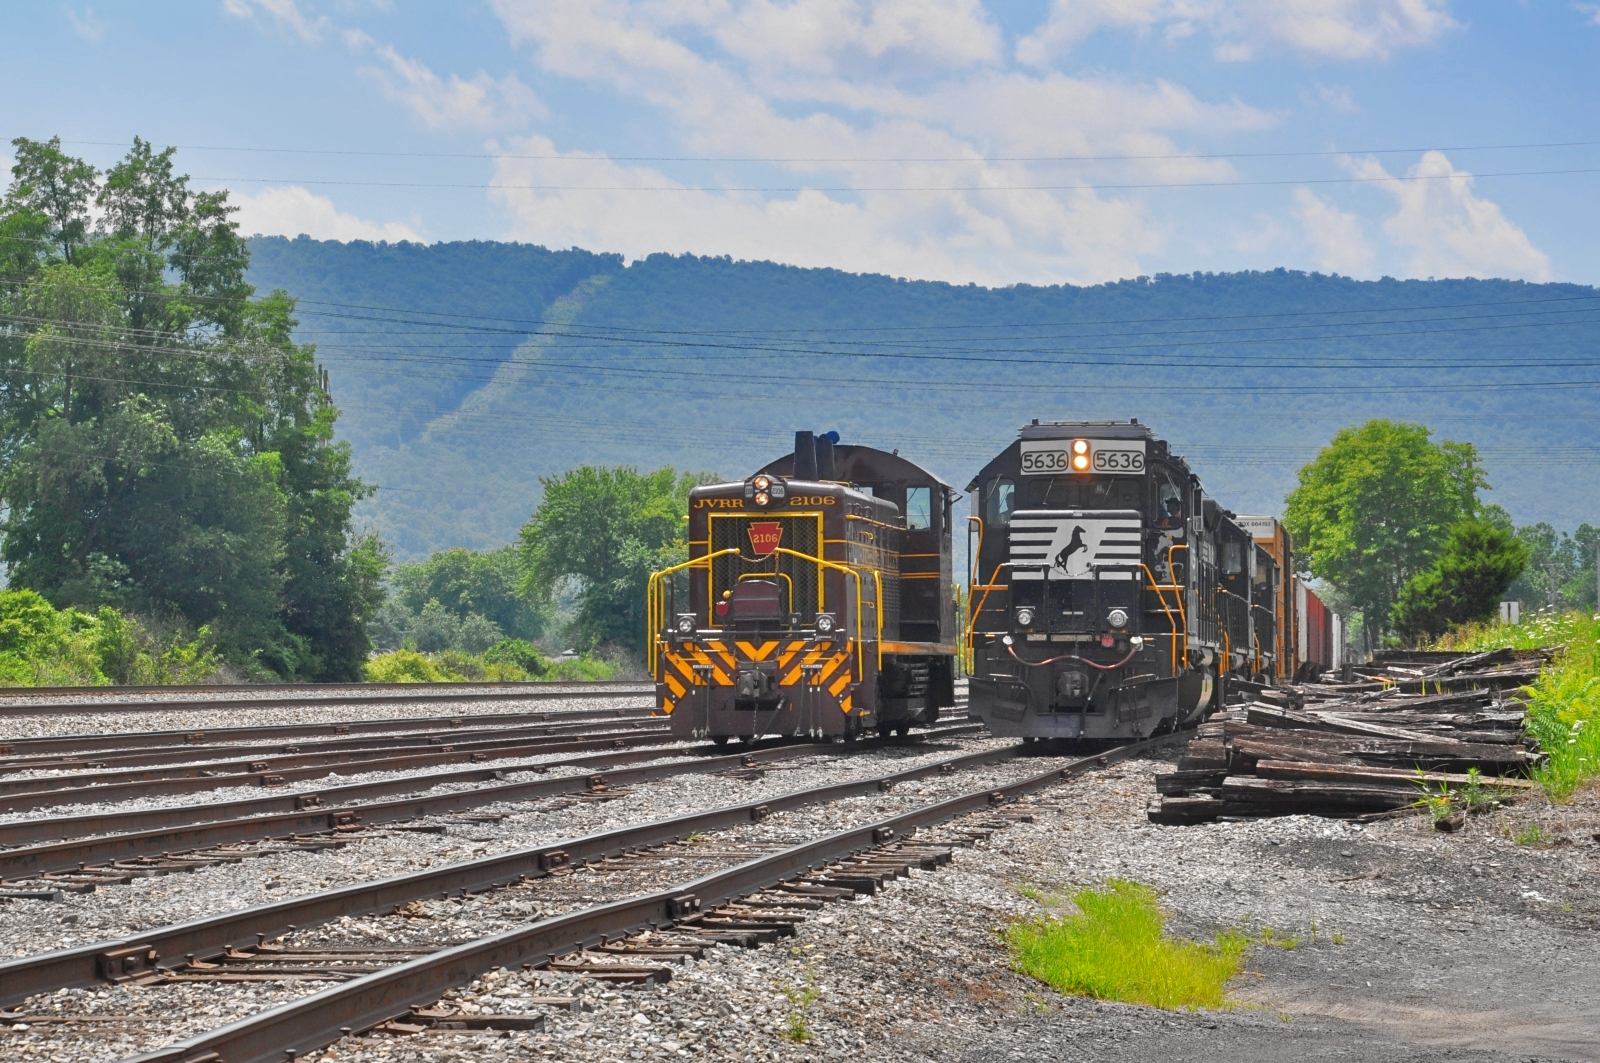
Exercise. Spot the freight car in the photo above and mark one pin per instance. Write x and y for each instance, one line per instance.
(817, 600)
(1110, 597)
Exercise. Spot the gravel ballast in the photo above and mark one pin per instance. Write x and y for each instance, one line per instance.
(1427, 946)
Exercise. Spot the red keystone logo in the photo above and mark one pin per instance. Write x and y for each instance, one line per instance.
(765, 536)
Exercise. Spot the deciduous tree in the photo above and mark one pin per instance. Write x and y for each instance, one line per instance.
(1375, 507)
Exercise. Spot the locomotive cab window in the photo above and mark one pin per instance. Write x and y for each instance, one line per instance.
(1002, 500)
(1169, 504)
(919, 508)
(1233, 558)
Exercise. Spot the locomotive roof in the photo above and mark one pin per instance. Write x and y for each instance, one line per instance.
(860, 465)
(1101, 429)
(1129, 429)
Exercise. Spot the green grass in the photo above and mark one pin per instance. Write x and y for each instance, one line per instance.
(1115, 948)
(1564, 702)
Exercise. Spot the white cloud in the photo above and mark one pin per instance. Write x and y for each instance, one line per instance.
(1449, 231)
(834, 36)
(1244, 29)
(481, 102)
(283, 14)
(836, 105)
(1592, 10)
(1340, 243)
(1336, 98)
(949, 235)
(87, 25)
(289, 210)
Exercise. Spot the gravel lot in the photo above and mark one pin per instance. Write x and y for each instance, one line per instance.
(1460, 947)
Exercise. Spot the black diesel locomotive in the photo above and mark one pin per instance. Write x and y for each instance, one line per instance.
(1110, 598)
(816, 600)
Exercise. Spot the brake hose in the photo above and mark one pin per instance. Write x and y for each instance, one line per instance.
(1072, 657)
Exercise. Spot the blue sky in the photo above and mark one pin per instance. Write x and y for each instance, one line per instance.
(920, 139)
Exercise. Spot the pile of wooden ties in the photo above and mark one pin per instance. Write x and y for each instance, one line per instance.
(1402, 724)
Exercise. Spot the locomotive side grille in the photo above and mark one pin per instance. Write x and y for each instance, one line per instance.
(801, 534)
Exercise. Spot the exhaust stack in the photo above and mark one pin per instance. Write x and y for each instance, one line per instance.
(805, 456)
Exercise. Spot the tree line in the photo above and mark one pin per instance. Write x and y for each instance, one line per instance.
(1393, 523)
(166, 448)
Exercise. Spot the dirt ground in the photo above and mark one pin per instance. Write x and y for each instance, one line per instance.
(1429, 946)
(1403, 943)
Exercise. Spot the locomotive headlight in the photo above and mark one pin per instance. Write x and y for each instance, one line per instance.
(1117, 617)
(762, 482)
(762, 498)
(825, 623)
(1024, 616)
(1080, 446)
(686, 624)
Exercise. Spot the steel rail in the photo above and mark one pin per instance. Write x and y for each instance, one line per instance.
(207, 735)
(321, 1018)
(268, 762)
(27, 800)
(314, 690)
(69, 708)
(365, 745)
(84, 965)
(317, 816)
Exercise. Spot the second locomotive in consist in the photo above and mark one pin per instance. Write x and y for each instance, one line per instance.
(1111, 598)
(816, 600)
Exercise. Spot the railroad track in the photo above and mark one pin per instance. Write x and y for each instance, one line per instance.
(213, 737)
(115, 847)
(99, 701)
(775, 875)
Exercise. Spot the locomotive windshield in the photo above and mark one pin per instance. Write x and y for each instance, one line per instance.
(1062, 492)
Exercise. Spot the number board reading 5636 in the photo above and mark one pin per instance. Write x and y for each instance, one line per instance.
(1055, 457)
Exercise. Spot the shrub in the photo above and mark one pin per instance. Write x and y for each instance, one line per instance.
(519, 653)
(1564, 702)
(501, 663)
(41, 645)
(404, 666)
(1115, 949)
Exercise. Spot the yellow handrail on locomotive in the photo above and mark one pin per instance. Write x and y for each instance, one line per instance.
(877, 606)
(977, 611)
(1227, 639)
(972, 586)
(656, 603)
(1171, 623)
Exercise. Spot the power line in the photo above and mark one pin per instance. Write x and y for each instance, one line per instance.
(1076, 187)
(782, 160)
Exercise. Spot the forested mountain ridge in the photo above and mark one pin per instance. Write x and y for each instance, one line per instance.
(467, 370)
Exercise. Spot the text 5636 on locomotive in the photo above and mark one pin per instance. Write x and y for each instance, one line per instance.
(1110, 598)
(816, 600)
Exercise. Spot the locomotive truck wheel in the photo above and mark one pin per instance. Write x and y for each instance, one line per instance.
(885, 730)
(748, 740)
(719, 740)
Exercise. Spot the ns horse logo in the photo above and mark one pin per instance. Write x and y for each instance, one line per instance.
(1073, 546)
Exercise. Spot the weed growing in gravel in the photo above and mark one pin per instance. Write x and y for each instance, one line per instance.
(1337, 938)
(1529, 833)
(1564, 702)
(1115, 949)
(802, 996)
